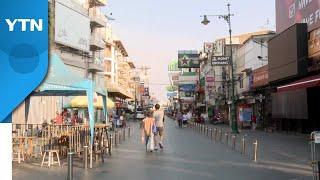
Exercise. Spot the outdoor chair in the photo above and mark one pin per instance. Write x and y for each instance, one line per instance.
(50, 161)
(18, 153)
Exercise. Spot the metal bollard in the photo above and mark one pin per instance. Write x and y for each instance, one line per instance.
(234, 142)
(96, 152)
(128, 131)
(85, 157)
(124, 134)
(110, 144)
(215, 134)
(243, 146)
(255, 150)
(210, 133)
(204, 130)
(70, 164)
(220, 135)
(120, 138)
(115, 139)
(207, 131)
(227, 138)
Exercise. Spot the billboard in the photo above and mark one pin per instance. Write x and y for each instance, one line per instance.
(188, 59)
(287, 53)
(289, 12)
(72, 27)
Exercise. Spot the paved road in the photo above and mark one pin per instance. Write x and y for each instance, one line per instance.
(187, 155)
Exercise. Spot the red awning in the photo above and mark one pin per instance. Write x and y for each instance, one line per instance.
(307, 82)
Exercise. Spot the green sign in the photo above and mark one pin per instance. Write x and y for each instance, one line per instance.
(188, 59)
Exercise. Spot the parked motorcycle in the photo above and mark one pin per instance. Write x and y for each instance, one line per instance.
(218, 119)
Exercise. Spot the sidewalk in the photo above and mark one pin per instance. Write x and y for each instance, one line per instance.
(273, 148)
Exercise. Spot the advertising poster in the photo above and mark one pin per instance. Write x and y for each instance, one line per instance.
(245, 114)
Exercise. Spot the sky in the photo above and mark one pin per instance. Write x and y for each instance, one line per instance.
(153, 31)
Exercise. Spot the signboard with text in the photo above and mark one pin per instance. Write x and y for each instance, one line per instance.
(289, 12)
(260, 76)
(220, 60)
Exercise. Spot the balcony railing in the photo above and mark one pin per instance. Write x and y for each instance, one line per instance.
(96, 65)
(97, 18)
(97, 42)
(94, 3)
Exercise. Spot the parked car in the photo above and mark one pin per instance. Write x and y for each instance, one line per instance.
(140, 115)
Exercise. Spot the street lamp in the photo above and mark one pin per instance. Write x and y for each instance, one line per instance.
(227, 18)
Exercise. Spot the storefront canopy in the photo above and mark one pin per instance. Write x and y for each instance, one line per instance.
(307, 82)
(82, 102)
(60, 81)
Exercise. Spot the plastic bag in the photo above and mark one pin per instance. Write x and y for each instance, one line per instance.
(150, 144)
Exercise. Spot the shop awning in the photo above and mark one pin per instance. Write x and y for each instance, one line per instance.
(82, 102)
(307, 82)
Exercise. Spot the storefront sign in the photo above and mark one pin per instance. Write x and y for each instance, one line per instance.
(245, 113)
(187, 87)
(289, 12)
(314, 43)
(188, 59)
(209, 79)
(260, 76)
(208, 47)
(175, 77)
(317, 137)
(220, 60)
(146, 91)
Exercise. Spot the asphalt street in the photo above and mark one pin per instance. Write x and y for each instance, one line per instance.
(187, 155)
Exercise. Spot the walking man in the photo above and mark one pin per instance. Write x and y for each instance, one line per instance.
(159, 119)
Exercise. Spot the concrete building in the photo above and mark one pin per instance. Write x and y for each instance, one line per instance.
(76, 32)
(218, 93)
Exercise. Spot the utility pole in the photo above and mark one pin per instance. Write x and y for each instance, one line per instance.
(227, 18)
(234, 122)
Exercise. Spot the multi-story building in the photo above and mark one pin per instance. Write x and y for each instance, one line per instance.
(119, 70)
(218, 94)
(76, 39)
(250, 58)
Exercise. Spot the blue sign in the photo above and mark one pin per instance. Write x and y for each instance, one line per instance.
(172, 94)
(23, 51)
(187, 87)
